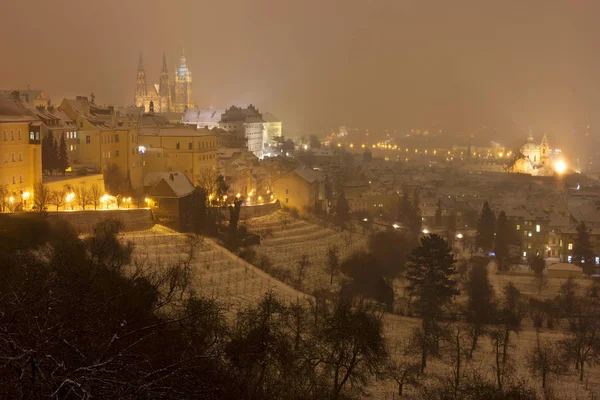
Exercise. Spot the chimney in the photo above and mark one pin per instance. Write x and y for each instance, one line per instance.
(172, 177)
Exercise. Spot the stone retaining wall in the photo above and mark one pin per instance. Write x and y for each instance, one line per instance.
(253, 211)
(83, 221)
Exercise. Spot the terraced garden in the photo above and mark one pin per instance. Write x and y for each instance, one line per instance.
(286, 240)
(216, 273)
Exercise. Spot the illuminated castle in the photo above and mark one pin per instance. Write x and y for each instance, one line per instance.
(165, 96)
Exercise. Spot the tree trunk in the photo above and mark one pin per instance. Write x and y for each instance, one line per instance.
(581, 372)
(400, 389)
(423, 356)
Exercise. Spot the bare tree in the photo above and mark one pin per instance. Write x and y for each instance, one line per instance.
(57, 198)
(41, 196)
(510, 315)
(545, 359)
(3, 197)
(404, 372)
(206, 179)
(333, 262)
(303, 265)
(583, 346)
(538, 266)
(95, 194)
(83, 197)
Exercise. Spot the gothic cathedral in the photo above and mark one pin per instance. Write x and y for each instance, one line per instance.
(165, 96)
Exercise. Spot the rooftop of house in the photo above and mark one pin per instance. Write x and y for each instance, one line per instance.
(202, 116)
(175, 131)
(309, 175)
(179, 183)
(12, 110)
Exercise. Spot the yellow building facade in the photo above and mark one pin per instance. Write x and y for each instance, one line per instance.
(178, 149)
(20, 153)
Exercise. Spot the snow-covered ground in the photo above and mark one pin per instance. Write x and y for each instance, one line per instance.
(286, 240)
(216, 272)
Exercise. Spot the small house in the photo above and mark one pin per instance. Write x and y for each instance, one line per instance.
(169, 193)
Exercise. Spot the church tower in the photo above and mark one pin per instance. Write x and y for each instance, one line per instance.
(544, 154)
(183, 86)
(140, 85)
(164, 89)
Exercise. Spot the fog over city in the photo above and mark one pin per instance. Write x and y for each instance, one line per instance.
(300, 200)
(320, 64)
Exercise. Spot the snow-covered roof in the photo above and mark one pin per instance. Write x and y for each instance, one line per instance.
(202, 116)
(178, 181)
(268, 117)
(309, 175)
(565, 267)
(13, 110)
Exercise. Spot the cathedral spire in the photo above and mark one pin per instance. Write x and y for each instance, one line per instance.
(164, 63)
(140, 63)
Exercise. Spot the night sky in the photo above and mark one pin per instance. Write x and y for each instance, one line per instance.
(318, 64)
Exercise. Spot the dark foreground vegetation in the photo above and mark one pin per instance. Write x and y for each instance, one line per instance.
(81, 318)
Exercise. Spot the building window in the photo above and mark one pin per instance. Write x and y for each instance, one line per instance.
(20, 156)
(81, 124)
(71, 147)
(20, 178)
(286, 191)
(12, 135)
(537, 228)
(569, 259)
(177, 145)
(74, 135)
(5, 135)
(116, 153)
(156, 204)
(524, 254)
(19, 134)
(88, 139)
(31, 136)
(570, 246)
(5, 158)
(190, 144)
(117, 138)
(597, 260)
(13, 180)
(518, 227)
(286, 200)
(12, 157)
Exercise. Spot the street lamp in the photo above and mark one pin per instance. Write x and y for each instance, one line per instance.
(70, 198)
(396, 226)
(425, 231)
(459, 235)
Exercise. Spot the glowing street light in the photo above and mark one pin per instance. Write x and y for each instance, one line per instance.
(11, 199)
(26, 195)
(396, 226)
(425, 231)
(560, 167)
(459, 235)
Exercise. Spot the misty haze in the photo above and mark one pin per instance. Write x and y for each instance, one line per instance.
(394, 199)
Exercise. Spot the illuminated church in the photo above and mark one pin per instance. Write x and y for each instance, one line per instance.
(534, 158)
(167, 95)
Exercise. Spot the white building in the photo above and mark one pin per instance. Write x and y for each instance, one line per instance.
(249, 122)
(273, 127)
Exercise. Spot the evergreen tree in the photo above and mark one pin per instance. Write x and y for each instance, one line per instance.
(438, 214)
(63, 157)
(480, 303)
(430, 272)
(416, 217)
(54, 155)
(342, 211)
(404, 210)
(485, 228)
(47, 153)
(451, 226)
(501, 244)
(583, 251)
